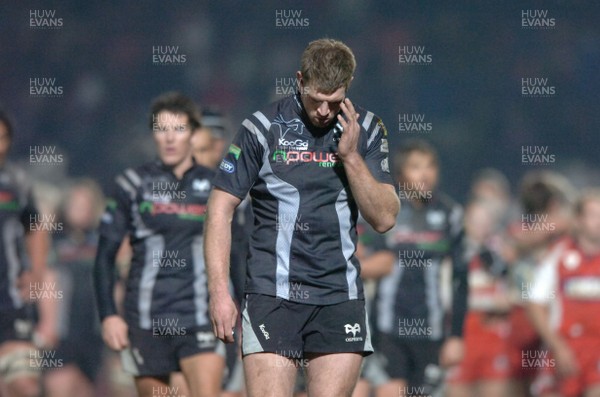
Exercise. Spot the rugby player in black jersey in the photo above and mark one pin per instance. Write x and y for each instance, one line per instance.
(24, 245)
(161, 206)
(413, 339)
(311, 162)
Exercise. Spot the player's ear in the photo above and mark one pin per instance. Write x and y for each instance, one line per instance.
(299, 80)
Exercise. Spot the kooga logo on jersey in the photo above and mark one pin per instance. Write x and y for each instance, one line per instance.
(324, 159)
(297, 144)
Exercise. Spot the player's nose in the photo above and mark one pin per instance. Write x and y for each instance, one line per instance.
(323, 110)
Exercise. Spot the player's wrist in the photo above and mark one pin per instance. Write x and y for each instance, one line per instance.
(351, 158)
(219, 292)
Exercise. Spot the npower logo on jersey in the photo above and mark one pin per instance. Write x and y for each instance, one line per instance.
(323, 159)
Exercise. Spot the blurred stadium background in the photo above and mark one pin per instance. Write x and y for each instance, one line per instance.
(470, 92)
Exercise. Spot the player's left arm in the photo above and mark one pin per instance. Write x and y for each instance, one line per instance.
(37, 245)
(377, 201)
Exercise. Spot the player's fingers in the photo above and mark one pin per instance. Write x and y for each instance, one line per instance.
(349, 110)
(342, 121)
(349, 105)
(220, 329)
(346, 110)
(227, 331)
(124, 340)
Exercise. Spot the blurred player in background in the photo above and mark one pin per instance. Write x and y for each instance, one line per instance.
(23, 254)
(209, 141)
(208, 145)
(408, 308)
(161, 206)
(80, 345)
(485, 368)
(546, 199)
(311, 156)
(564, 305)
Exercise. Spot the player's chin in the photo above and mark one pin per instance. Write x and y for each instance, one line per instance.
(322, 123)
(170, 160)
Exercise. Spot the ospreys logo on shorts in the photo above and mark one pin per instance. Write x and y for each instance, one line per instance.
(353, 329)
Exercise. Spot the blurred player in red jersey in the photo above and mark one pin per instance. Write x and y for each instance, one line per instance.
(546, 217)
(485, 369)
(565, 306)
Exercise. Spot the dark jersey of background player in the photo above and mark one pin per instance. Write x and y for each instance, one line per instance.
(423, 236)
(305, 217)
(17, 212)
(79, 329)
(164, 218)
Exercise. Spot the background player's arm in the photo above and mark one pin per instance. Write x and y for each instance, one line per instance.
(113, 229)
(377, 202)
(539, 315)
(377, 265)
(217, 247)
(114, 328)
(38, 244)
(565, 359)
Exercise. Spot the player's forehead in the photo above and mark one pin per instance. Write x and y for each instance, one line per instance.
(419, 157)
(168, 117)
(317, 94)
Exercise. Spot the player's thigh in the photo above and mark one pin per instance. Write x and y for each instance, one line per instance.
(266, 376)
(333, 374)
(151, 386)
(203, 373)
(178, 383)
(393, 388)
(593, 391)
(66, 381)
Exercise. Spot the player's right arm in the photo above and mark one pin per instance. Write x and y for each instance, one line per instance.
(538, 309)
(113, 229)
(237, 173)
(217, 247)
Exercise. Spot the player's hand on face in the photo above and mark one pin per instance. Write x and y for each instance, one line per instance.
(348, 143)
(114, 332)
(223, 313)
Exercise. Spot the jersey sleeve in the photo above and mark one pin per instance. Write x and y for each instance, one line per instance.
(545, 280)
(378, 152)
(115, 221)
(239, 168)
(28, 212)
